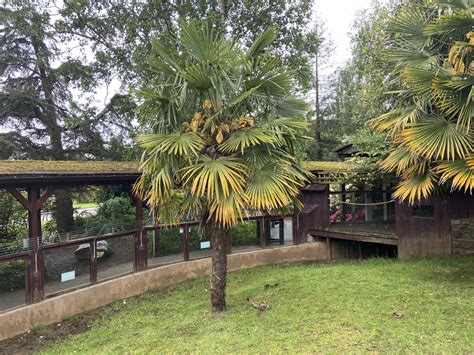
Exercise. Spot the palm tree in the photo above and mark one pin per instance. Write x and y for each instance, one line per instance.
(226, 125)
(431, 47)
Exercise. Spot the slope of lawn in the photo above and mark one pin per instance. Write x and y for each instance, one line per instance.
(424, 305)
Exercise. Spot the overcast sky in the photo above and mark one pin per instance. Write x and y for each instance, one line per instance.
(339, 16)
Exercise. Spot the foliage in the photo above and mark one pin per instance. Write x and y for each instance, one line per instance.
(121, 41)
(12, 275)
(355, 91)
(315, 308)
(430, 121)
(171, 242)
(13, 219)
(227, 125)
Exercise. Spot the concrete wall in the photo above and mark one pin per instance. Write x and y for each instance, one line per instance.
(462, 232)
(55, 309)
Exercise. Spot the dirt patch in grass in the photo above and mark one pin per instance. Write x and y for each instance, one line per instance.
(37, 338)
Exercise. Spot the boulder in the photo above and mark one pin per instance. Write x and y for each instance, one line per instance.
(103, 250)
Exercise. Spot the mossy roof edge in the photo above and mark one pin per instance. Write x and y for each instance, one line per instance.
(45, 167)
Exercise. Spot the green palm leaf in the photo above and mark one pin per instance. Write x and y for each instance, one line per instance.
(215, 178)
(415, 188)
(245, 138)
(437, 138)
(273, 186)
(459, 172)
(181, 144)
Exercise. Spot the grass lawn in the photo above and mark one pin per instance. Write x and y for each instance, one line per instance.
(338, 307)
(84, 205)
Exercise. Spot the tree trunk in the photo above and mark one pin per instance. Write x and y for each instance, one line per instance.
(218, 238)
(63, 211)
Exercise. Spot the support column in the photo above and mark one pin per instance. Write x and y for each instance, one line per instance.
(186, 242)
(141, 257)
(281, 231)
(34, 266)
(262, 233)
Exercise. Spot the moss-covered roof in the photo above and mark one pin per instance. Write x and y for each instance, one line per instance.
(330, 167)
(46, 167)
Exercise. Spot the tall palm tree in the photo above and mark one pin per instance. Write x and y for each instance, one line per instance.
(431, 47)
(226, 125)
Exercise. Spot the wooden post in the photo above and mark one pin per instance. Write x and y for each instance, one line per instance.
(34, 265)
(343, 206)
(262, 232)
(282, 231)
(186, 242)
(93, 261)
(384, 197)
(141, 257)
(368, 209)
(328, 248)
(294, 227)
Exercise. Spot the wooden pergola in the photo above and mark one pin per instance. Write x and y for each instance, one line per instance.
(47, 176)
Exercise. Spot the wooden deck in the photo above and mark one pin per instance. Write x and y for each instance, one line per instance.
(383, 233)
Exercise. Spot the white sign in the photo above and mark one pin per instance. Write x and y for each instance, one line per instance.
(68, 276)
(205, 245)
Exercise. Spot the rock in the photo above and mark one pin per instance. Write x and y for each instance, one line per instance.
(103, 250)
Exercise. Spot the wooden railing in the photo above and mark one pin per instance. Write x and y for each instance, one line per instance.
(33, 255)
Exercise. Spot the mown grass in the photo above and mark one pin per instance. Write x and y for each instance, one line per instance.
(340, 307)
(85, 205)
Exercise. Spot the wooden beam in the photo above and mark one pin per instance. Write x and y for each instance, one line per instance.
(42, 200)
(20, 198)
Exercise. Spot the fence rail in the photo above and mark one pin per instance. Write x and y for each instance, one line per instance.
(136, 257)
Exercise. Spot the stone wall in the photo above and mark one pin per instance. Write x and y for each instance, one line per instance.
(462, 232)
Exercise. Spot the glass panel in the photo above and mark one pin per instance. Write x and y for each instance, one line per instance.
(66, 267)
(365, 212)
(199, 247)
(245, 236)
(165, 246)
(12, 284)
(115, 256)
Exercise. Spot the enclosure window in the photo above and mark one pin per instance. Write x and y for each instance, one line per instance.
(423, 211)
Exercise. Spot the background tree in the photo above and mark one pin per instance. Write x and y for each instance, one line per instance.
(228, 125)
(121, 39)
(41, 113)
(431, 50)
(354, 93)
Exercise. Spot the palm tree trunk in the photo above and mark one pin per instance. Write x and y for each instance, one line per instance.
(219, 267)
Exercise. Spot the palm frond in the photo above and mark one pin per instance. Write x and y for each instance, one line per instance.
(461, 21)
(403, 161)
(215, 178)
(437, 138)
(180, 144)
(273, 186)
(459, 173)
(291, 107)
(415, 188)
(245, 138)
(262, 41)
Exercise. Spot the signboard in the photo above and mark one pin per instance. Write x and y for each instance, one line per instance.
(68, 276)
(205, 245)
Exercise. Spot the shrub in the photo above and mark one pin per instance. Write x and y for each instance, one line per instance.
(12, 275)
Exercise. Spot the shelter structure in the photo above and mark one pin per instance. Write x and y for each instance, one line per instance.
(351, 220)
(358, 220)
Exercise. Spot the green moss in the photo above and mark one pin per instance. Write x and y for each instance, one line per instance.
(24, 167)
(330, 166)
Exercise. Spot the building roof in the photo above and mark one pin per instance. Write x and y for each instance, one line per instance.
(27, 172)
